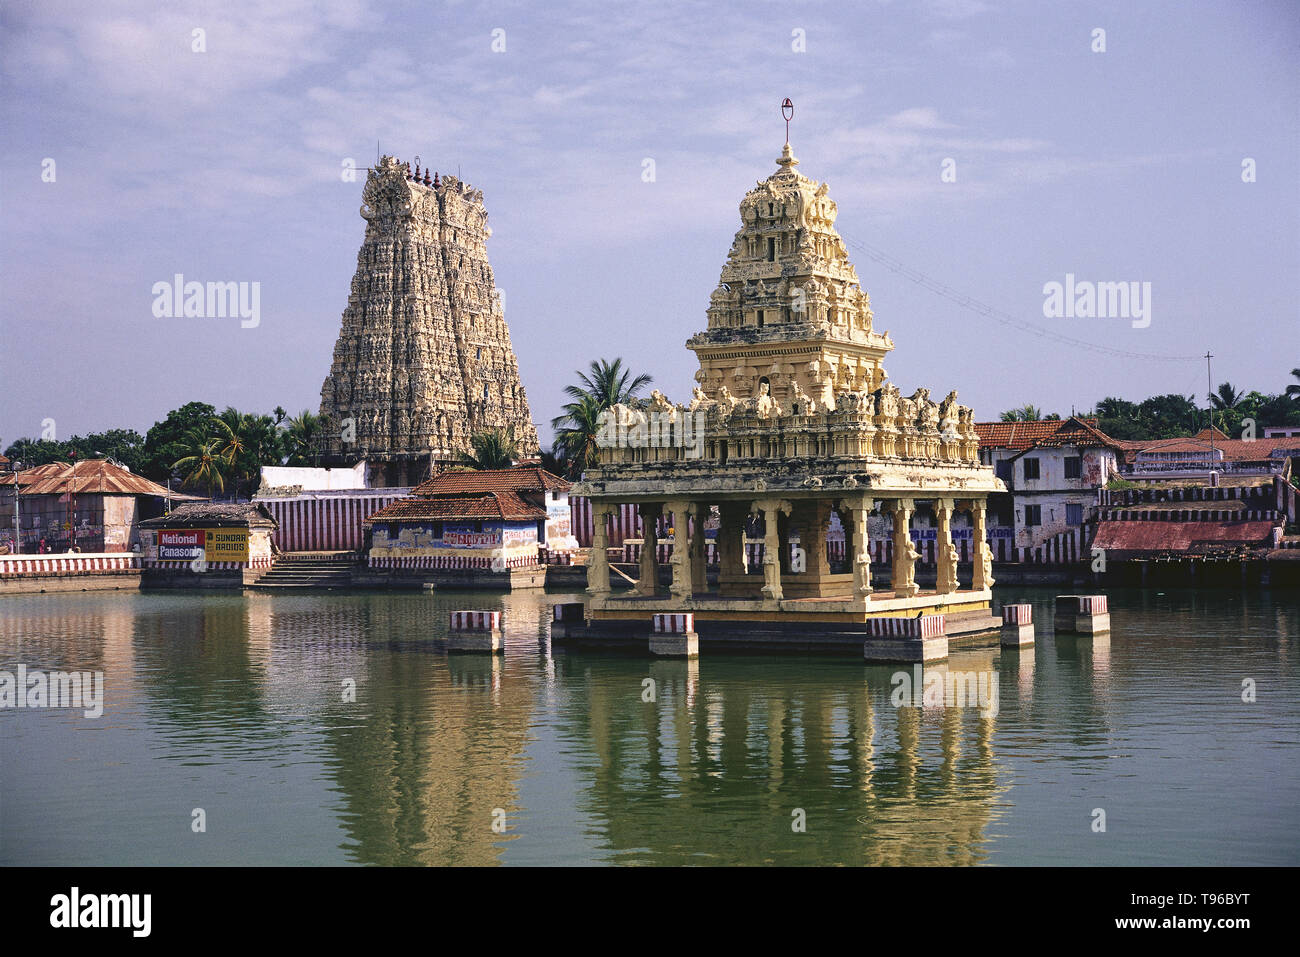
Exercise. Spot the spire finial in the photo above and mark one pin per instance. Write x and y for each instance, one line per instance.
(787, 110)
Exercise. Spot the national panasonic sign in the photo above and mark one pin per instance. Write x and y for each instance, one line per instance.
(181, 546)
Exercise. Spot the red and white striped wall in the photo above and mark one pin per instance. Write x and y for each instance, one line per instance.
(926, 626)
(476, 621)
(1093, 605)
(265, 562)
(674, 623)
(451, 562)
(624, 522)
(1022, 614)
(326, 523)
(66, 564)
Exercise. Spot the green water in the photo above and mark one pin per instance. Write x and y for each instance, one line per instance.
(236, 706)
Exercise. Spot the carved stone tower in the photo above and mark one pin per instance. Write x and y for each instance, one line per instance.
(788, 311)
(423, 360)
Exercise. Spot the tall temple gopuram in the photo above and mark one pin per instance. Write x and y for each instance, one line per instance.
(423, 360)
(793, 418)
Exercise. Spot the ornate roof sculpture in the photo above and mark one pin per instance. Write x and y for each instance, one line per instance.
(790, 372)
(423, 359)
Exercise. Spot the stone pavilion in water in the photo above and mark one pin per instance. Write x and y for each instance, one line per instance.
(798, 420)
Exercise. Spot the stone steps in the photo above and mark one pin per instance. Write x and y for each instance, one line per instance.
(308, 571)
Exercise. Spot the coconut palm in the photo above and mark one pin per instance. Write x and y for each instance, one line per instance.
(1227, 397)
(1293, 390)
(606, 384)
(575, 435)
(301, 437)
(205, 463)
(491, 449)
(1026, 413)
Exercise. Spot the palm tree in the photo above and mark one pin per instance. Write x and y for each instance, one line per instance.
(492, 449)
(1293, 390)
(301, 437)
(575, 435)
(605, 385)
(608, 384)
(229, 435)
(1026, 413)
(204, 463)
(1226, 397)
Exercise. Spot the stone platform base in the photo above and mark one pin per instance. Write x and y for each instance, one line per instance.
(768, 637)
(1017, 636)
(476, 642)
(905, 650)
(675, 646)
(1092, 624)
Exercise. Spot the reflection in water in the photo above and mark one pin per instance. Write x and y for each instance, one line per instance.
(334, 728)
(722, 778)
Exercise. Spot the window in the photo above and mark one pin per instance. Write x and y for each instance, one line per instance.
(1073, 514)
(771, 249)
(1073, 467)
(760, 318)
(1031, 469)
(1003, 470)
(1033, 515)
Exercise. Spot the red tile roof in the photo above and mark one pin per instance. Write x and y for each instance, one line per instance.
(502, 506)
(1233, 450)
(1161, 537)
(1022, 435)
(520, 479)
(1082, 433)
(91, 477)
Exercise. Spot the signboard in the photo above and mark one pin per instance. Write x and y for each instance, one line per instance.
(180, 545)
(227, 544)
(209, 544)
(463, 536)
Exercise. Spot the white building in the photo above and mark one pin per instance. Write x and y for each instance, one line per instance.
(1052, 469)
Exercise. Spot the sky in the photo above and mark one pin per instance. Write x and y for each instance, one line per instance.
(978, 151)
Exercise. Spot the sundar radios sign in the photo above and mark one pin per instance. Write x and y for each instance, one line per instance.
(210, 544)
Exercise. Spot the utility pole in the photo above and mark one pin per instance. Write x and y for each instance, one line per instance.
(18, 543)
(1209, 403)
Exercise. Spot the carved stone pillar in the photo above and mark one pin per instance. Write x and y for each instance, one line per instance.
(860, 543)
(699, 556)
(772, 510)
(597, 560)
(945, 552)
(905, 554)
(648, 581)
(983, 557)
(681, 560)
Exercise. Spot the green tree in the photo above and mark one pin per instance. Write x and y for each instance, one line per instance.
(301, 437)
(603, 386)
(575, 435)
(167, 440)
(203, 464)
(491, 449)
(1170, 416)
(1026, 413)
